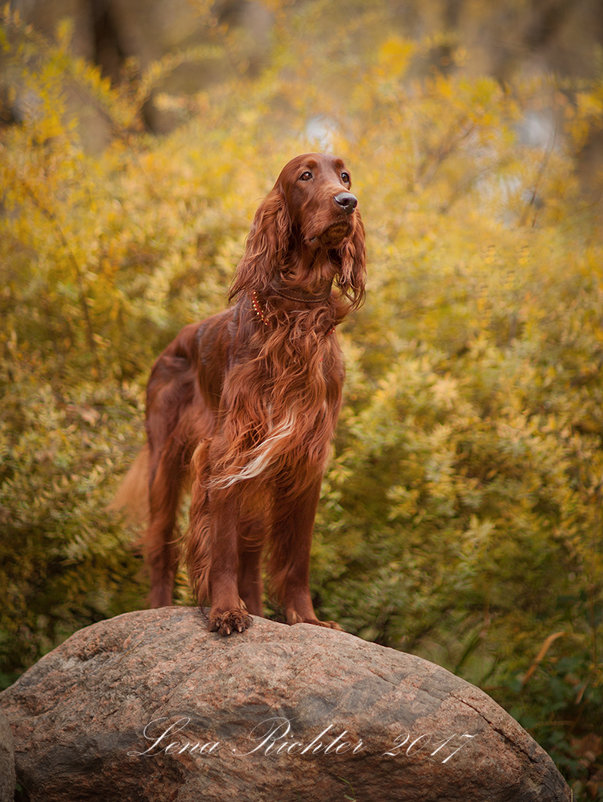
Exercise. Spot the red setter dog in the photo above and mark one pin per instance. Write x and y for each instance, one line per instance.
(246, 402)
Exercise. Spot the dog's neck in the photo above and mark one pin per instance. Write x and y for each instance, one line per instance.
(307, 275)
(295, 293)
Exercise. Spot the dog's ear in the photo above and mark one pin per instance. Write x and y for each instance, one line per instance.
(266, 246)
(352, 278)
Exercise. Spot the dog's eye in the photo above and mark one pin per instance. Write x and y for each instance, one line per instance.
(345, 177)
(305, 176)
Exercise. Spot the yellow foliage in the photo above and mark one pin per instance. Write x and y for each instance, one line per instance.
(394, 57)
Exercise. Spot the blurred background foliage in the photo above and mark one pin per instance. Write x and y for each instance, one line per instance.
(462, 514)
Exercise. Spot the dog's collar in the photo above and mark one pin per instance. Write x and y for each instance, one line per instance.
(302, 295)
(257, 308)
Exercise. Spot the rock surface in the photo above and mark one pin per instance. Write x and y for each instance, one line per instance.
(7, 761)
(151, 706)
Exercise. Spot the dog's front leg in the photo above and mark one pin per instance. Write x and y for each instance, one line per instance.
(290, 553)
(228, 612)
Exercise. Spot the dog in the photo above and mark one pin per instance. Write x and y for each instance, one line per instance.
(244, 405)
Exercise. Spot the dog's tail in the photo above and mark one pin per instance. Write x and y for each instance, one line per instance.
(132, 496)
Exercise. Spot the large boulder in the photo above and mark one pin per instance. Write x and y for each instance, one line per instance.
(7, 761)
(151, 706)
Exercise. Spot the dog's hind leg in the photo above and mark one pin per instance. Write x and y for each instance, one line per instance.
(170, 394)
(160, 542)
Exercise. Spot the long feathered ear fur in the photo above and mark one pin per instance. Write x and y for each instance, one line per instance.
(352, 253)
(266, 246)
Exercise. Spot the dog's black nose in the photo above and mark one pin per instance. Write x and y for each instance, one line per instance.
(346, 201)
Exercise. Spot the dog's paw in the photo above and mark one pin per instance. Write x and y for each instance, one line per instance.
(226, 622)
(295, 618)
(327, 624)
